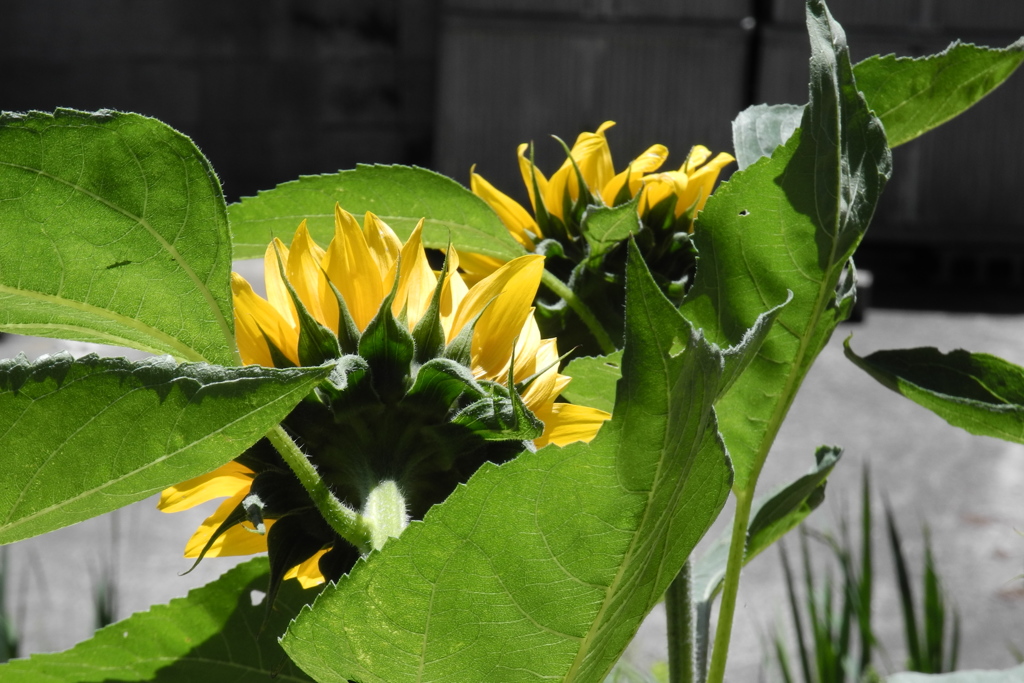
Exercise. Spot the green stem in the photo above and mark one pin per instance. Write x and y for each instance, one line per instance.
(344, 520)
(730, 587)
(581, 309)
(385, 513)
(681, 628)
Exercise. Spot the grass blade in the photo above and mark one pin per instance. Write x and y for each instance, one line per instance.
(934, 611)
(794, 607)
(906, 593)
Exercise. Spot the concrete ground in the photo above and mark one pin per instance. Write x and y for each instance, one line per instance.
(968, 490)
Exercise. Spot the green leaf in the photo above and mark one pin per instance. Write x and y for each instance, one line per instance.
(760, 128)
(910, 95)
(784, 225)
(399, 195)
(772, 517)
(593, 380)
(977, 392)
(543, 568)
(82, 437)
(606, 227)
(782, 511)
(913, 95)
(214, 634)
(115, 232)
(1014, 675)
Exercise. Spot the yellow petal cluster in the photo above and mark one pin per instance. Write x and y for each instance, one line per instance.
(691, 183)
(361, 264)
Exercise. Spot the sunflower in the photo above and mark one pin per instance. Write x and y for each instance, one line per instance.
(433, 378)
(580, 220)
(668, 202)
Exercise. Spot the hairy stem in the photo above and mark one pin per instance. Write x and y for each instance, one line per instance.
(348, 524)
(730, 587)
(581, 309)
(681, 627)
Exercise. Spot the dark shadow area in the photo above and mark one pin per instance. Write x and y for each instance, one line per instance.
(987, 278)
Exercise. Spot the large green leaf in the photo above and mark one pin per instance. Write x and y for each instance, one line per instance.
(114, 231)
(82, 437)
(399, 195)
(215, 634)
(913, 95)
(543, 568)
(789, 224)
(1014, 675)
(977, 392)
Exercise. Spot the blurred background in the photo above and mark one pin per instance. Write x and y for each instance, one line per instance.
(274, 89)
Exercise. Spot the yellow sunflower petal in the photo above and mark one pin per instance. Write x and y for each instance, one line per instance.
(502, 321)
(353, 269)
(475, 267)
(543, 391)
(517, 220)
(594, 159)
(256, 317)
(416, 282)
(565, 423)
(308, 572)
(235, 541)
(452, 295)
(648, 162)
(277, 293)
(702, 182)
(697, 156)
(532, 354)
(383, 244)
(303, 272)
(660, 186)
(226, 480)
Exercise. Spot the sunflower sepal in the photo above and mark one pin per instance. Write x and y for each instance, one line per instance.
(389, 348)
(606, 227)
(501, 415)
(460, 349)
(348, 372)
(496, 418)
(348, 334)
(439, 384)
(317, 344)
(277, 356)
(428, 333)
